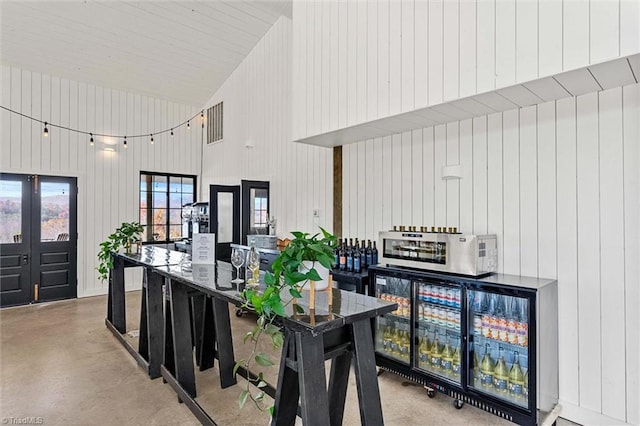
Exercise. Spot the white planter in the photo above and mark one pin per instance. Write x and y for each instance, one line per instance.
(322, 271)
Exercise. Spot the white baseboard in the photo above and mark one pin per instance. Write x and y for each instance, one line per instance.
(585, 416)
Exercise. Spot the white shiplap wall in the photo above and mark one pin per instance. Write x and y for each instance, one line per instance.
(257, 111)
(360, 60)
(107, 181)
(559, 185)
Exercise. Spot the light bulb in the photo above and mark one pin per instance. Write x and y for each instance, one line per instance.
(171, 132)
(125, 142)
(188, 125)
(45, 132)
(91, 140)
(152, 139)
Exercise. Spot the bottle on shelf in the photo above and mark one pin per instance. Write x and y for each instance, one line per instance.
(477, 375)
(405, 344)
(336, 257)
(423, 352)
(447, 359)
(252, 265)
(525, 387)
(343, 256)
(436, 353)
(522, 327)
(501, 314)
(486, 368)
(363, 256)
(494, 327)
(357, 267)
(369, 254)
(395, 341)
(374, 254)
(516, 378)
(455, 362)
(501, 374)
(387, 337)
(350, 256)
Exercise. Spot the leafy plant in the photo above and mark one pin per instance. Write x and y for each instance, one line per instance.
(268, 304)
(125, 236)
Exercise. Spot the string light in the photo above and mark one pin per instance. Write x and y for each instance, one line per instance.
(151, 138)
(45, 130)
(202, 115)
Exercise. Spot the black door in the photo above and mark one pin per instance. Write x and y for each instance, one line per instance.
(225, 218)
(255, 208)
(38, 238)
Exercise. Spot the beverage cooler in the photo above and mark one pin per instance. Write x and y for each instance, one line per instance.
(490, 342)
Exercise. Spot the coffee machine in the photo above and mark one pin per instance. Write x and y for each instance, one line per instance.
(195, 220)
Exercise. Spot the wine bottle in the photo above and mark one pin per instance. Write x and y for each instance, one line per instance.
(405, 344)
(395, 341)
(336, 257)
(486, 368)
(500, 374)
(386, 338)
(447, 358)
(516, 378)
(363, 256)
(350, 256)
(455, 362)
(525, 388)
(252, 265)
(423, 352)
(477, 376)
(522, 327)
(343, 256)
(436, 353)
(374, 254)
(357, 266)
(369, 254)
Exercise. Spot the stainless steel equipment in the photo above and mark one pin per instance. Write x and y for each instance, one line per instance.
(195, 220)
(464, 254)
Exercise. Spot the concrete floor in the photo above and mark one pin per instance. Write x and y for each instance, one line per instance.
(60, 365)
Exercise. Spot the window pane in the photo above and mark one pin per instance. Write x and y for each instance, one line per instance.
(187, 185)
(10, 211)
(159, 216)
(175, 217)
(143, 216)
(175, 200)
(175, 184)
(144, 196)
(146, 234)
(145, 182)
(160, 183)
(159, 233)
(175, 232)
(159, 200)
(54, 211)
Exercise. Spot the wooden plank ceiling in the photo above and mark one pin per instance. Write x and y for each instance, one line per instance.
(181, 51)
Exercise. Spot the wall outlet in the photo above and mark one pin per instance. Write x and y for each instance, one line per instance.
(316, 213)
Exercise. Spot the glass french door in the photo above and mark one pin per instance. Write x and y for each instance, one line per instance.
(224, 218)
(38, 238)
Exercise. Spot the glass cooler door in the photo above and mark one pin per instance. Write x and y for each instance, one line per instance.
(393, 333)
(438, 328)
(499, 353)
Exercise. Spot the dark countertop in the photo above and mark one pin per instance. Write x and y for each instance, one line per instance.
(215, 280)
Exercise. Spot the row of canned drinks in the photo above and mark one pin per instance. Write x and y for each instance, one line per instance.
(441, 295)
(439, 315)
(404, 305)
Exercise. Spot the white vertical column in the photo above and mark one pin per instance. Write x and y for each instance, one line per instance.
(546, 190)
(494, 182)
(511, 191)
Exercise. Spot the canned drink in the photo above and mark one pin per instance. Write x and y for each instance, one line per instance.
(449, 300)
(494, 326)
(522, 329)
(428, 293)
(512, 333)
(406, 310)
(456, 298)
(486, 325)
(502, 329)
(451, 323)
(442, 316)
(420, 312)
(428, 313)
(456, 320)
(442, 296)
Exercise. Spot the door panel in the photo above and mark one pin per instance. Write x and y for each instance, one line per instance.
(38, 238)
(15, 235)
(225, 218)
(255, 208)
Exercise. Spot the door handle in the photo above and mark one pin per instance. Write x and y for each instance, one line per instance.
(25, 259)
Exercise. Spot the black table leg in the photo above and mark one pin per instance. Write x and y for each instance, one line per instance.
(312, 381)
(118, 319)
(154, 322)
(207, 355)
(224, 343)
(365, 371)
(338, 381)
(143, 340)
(181, 332)
(168, 360)
(197, 311)
(287, 392)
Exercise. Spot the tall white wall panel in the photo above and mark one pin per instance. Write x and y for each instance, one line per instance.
(558, 183)
(257, 111)
(108, 185)
(399, 55)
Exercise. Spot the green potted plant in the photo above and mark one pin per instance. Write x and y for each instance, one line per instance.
(125, 236)
(304, 259)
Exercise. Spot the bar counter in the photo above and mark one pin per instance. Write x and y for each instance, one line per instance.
(339, 331)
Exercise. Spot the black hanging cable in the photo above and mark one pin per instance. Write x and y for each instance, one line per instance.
(91, 134)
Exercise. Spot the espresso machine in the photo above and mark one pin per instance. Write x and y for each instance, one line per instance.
(195, 220)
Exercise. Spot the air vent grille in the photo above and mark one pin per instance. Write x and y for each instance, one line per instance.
(214, 123)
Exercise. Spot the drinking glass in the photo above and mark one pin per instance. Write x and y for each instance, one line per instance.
(237, 260)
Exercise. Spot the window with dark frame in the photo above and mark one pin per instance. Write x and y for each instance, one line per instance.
(162, 196)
